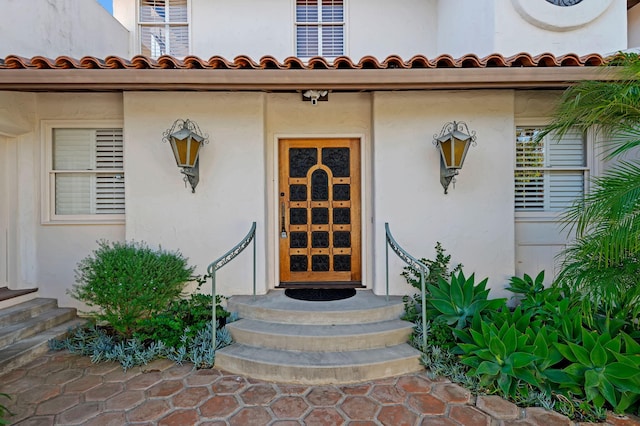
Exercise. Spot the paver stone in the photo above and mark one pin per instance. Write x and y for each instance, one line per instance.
(451, 393)
(165, 388)
(543, 417)
(359, 408)
(180, 418)
(191, 397)
(108, 419)
(219, 406)
(57, 404)
(469, 416)
(250, 416)
(289, 407)
(396, 415)
(388, 394)
(103, 392)
(498, 407)
(322, 417)
(427, 404)
(124, 400)
(79, 414)
(260, 394)
(324, 396)
(149, 410)
(414, 384)
(228, 384)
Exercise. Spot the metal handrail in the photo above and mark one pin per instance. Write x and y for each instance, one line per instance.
(414, 263)
(219, 263)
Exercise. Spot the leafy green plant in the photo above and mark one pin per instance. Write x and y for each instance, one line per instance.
(4, 411)
(193, 313)
(438, 268)
(604, 369)
(129, 282)
(459, 299)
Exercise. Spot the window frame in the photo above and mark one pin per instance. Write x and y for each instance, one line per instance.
(48, 210)
(165, 25)
(319, 24)
(590, 168)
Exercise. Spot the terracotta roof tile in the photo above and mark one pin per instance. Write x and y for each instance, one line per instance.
(269, 62)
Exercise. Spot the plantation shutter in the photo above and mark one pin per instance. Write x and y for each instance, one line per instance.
(529, 182)
(110, 186)
(549, 174)
(565, 186)
(78, 155)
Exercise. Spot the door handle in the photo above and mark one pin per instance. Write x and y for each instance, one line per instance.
(283, 230)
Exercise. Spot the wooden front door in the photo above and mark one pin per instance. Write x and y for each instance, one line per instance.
(319, 211)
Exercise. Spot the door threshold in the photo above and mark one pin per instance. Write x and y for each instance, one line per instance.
(322, 284)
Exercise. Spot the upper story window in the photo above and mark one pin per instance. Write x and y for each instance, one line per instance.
(163, 28)
(549, 174)
(85, 172)
(319, 28)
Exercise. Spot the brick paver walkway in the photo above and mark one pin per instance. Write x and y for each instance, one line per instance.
(64, 389)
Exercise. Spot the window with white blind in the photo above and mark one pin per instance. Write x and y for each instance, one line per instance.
(319, 28)
(163, 28)
(549, 174)
(86, 174)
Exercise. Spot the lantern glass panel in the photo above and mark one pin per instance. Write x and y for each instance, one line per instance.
(193, 152)
(181, 148)
(460, 148)
(445, 149)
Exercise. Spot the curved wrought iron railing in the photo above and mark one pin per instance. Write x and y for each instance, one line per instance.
(417, 265)
(223, 260)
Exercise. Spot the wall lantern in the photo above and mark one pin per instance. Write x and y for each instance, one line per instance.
(453, 143)
(186, 139)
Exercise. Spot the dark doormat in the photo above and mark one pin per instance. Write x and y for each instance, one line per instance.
(320, 294)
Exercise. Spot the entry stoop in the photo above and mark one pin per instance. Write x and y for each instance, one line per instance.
(26, 328)
(343, 341)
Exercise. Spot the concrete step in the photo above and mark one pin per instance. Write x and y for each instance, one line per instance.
(23, 311)
(364, 307)
(318, 367)
(25, 351)
(320, 338)
(34, 325)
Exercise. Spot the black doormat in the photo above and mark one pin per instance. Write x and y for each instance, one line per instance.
(320, 294)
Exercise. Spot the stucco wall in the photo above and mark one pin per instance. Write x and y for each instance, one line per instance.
(466, 27)
(474, 222)
(58, 248)
(230, 195)
(588, 27)
(61, 27)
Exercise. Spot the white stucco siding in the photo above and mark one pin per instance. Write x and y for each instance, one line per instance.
(243, 27)
(60, 247)
(466, 27)
(474, 222)
(604, 29)
(343, 115)
(230, 196)
(61, 27)
(381, 28)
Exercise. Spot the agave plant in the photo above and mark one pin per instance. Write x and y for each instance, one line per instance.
(608, 369)
(458, 300)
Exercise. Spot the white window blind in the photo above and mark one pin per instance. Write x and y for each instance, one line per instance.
(164, 28)
(88, 171)
(550, 173)
(319, 28)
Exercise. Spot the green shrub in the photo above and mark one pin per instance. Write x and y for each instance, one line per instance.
(130, 282)
(438, 268)
(4, 411)
(193, 313)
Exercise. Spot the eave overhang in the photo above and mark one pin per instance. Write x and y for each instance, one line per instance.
(242, 74)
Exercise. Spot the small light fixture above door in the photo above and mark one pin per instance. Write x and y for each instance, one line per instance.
(186, 139)
(315, 95)
(453, 143)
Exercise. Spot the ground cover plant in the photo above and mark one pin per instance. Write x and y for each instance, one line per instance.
(544, 352)
(141, 312)
(4, 411)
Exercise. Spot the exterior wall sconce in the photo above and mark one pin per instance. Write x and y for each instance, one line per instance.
(186, 139)
(315, 95)
(453, 143)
